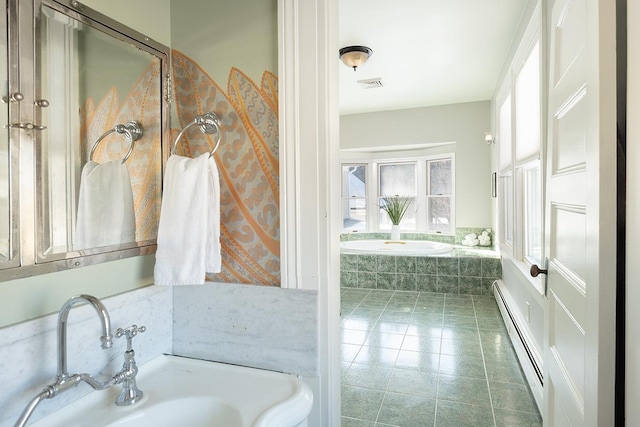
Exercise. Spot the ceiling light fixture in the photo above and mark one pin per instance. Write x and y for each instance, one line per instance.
(355, 56)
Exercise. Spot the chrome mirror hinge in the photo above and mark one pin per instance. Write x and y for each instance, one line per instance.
(167, 88)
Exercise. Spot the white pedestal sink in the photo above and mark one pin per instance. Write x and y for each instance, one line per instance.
(195, 393)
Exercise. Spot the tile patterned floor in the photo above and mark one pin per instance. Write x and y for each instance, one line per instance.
(419, 359)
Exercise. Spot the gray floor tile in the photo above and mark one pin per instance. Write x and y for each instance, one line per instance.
(486, 311)
(367, 314)
(465, 366)
(421, 343)
(414, 383)
(359, 323)
(418, 361)
(472, 391)
(395, 316)
(454, 414)
(353, 336)
(391, 327)
(351, 422)
(506, 418)
(491, 324)
(458, 310)
(368, 376)
(510, 396)
(433, 330)
(407, 411)
(377, 356)
(361, 403)
(374, 303)
(429, 308)
(504, 372)
(427, 356)
(384, 339)
(349, 352)
(467, 335)
(460, 321)
(461, 348)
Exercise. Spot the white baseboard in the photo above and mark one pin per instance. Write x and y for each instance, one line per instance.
(530, 361)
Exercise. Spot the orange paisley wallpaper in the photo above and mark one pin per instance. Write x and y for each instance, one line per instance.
(142, 104)
(247, 159)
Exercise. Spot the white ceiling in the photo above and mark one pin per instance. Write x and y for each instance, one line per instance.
(427, 52)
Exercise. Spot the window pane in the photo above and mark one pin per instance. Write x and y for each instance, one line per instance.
(439, 214)
(408, 220)
(440, 177)
(354, 214)
(528, 107)
(504, 133)
(506, 196)
(533, 214)
(354, 180)
(398, 179)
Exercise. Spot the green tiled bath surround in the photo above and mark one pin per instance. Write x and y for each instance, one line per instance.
(458, 273)
(456, 239)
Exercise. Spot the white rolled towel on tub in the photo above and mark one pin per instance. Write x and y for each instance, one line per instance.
(189, 230)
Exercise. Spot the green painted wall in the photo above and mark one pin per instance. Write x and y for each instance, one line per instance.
(464, 124)
(36, 296)
(227, 33)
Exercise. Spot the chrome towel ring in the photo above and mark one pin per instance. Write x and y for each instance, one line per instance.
(209, 123)
(131, 130)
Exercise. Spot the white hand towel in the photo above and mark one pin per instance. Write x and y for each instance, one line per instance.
(214, 258)
(189, 230)
(105, 206)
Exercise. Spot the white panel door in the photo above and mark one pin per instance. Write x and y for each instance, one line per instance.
(580, 215)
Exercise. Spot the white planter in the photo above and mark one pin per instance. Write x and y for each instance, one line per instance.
(395, 232)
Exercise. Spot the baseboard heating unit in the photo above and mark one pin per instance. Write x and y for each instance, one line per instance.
(530, 360)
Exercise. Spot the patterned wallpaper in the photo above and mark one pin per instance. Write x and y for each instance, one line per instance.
(143, 105)
(247, 160)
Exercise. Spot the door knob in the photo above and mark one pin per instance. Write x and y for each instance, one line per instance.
(535, 270)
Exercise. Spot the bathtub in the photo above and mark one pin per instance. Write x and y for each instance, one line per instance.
(418, 265)
(393, 247)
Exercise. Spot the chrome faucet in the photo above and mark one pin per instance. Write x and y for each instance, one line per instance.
(130, 393)
(64, 381)
(106, 339)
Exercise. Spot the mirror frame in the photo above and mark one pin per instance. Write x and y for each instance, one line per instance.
(24, 182)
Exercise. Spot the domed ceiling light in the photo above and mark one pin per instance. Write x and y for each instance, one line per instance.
(355, 56)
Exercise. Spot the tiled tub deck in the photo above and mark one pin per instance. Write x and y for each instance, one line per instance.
(463, 271)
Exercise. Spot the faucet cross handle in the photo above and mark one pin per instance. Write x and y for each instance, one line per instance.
(130, 332)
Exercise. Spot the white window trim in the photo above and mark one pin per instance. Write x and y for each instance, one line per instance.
(516, 251)
(373, 220)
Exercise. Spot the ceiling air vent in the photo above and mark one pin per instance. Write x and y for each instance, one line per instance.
(371, 83)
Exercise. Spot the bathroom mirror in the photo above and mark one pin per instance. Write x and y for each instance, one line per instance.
(99, 119)
(8, 194)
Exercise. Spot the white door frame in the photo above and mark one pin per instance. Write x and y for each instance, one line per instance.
(310, 179)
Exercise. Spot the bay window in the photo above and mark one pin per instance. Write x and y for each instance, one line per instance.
(427, 180)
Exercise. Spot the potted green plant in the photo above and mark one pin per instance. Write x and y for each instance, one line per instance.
(395, 207)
